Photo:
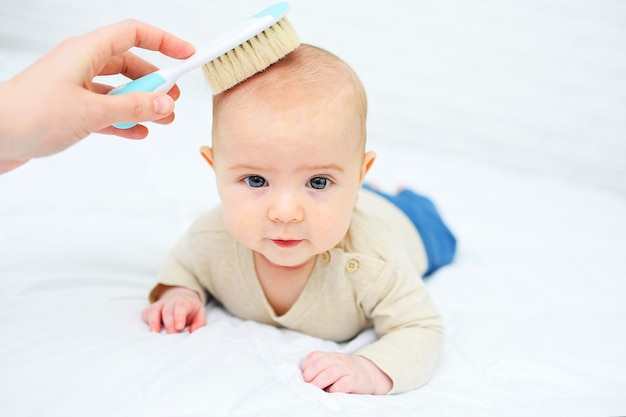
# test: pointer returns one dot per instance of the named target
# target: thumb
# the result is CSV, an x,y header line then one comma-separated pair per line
x,y
134,107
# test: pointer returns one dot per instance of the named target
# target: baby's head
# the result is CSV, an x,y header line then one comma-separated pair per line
x,y
310,80
289,155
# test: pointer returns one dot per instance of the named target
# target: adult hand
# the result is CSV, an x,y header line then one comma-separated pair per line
x,y
55,102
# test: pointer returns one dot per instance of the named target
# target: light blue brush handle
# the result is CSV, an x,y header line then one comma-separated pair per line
x,y
146,84
278,10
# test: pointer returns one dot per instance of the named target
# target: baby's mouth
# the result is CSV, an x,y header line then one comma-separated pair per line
x,y
286,243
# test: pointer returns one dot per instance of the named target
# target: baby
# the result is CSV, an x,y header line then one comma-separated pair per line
x,y
299,243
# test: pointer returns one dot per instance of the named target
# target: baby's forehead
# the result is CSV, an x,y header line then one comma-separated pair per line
x,y
290,98
336,109
303,98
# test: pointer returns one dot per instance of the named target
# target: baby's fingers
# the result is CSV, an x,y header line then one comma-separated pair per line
x,y
175,316
321,369
181,312
198,320
152,316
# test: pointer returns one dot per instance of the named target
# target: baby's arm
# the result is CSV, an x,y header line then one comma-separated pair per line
x,y
175,309
410,338
409,328
338,372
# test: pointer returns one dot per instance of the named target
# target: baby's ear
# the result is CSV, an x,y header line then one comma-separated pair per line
x,y
368,161
207,154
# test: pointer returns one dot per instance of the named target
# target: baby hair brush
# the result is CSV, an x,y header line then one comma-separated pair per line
x,y
248,48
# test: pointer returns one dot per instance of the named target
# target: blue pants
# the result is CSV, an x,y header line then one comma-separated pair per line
x,y
439,242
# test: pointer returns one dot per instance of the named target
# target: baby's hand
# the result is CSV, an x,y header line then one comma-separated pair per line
x,y
176,308
337,372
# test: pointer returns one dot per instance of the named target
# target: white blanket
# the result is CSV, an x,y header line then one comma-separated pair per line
x,y
509,116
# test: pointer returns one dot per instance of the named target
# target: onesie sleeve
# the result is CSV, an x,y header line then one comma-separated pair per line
x,y
408,325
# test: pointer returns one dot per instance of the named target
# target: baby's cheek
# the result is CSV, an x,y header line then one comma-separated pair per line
x,y
242,223
331,228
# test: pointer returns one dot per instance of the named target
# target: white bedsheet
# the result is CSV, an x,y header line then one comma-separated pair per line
x,y
522,147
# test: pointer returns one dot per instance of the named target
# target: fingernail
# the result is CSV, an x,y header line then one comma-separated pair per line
x,y
163,105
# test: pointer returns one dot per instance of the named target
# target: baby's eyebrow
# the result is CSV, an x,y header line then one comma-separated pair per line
x,y
324,167
245,167
257,168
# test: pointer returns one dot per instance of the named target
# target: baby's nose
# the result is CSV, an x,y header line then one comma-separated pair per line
x,y
286,208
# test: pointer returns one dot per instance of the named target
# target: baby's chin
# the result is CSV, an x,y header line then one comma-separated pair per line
x,y
287,261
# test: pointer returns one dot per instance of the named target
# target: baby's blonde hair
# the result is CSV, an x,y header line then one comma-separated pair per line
x,y
308,74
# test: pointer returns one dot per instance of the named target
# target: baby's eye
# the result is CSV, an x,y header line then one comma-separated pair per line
x,y
319,183
254,181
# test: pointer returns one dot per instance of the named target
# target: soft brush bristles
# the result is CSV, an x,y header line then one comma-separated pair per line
x,y
251,57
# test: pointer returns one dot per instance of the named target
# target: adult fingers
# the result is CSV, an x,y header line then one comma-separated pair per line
x,y
117,38
131,107
166,120
136,132
104,88
127,64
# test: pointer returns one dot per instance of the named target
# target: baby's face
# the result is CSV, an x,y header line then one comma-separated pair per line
x,y
288,178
